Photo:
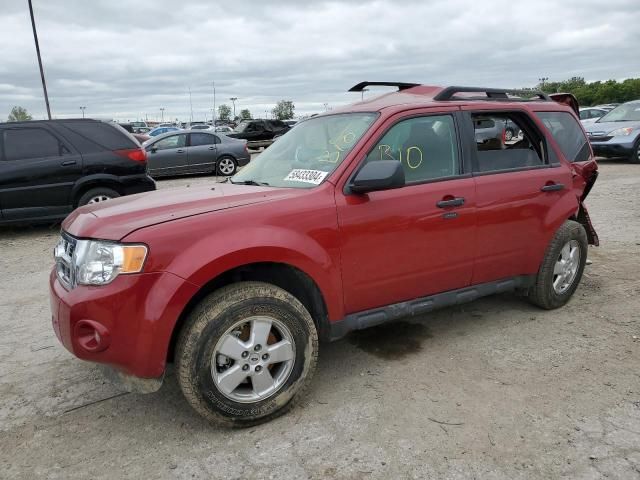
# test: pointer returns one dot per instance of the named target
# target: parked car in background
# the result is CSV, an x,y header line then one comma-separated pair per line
x,y
48,168
591,114
356,217
160,130
140,127
617,134
193,151
259,133
219,129
141,137
291,122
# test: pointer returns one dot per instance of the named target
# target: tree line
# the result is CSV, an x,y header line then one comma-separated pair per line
x,y
596,93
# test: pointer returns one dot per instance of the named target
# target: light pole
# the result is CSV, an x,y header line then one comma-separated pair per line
x,y
35,39
233,100
161,114
83,109
362,93
542,80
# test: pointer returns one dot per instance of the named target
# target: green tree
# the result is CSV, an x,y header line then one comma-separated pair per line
x,y
283,110
245,114
224,112
19,114
594,93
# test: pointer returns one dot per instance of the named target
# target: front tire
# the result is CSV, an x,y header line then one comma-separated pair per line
x,y
508,134
635,156
246,354
562,267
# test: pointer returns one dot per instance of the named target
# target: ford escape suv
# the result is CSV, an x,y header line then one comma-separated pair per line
x,y
386,208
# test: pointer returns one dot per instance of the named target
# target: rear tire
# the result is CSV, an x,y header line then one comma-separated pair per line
x,y
226,166
508,134
562,267
270,347
97,195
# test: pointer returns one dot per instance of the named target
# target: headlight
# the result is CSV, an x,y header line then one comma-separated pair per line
x,y
622,132
95,262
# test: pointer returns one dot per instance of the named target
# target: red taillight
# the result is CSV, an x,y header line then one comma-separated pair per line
x,y
504,135
135,154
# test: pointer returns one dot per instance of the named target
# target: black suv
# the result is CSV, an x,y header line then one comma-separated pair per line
x,y
48,168
259,133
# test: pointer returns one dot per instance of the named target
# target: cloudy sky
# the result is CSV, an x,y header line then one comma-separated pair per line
x,y
127,59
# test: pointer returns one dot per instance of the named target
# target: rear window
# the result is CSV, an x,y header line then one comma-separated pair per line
x,y
568,135
26,143
108,136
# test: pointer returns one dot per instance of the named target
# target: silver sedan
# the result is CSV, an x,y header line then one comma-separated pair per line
x,y
185,152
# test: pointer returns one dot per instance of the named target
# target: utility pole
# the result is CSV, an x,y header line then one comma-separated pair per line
x,y
233,100
35,39
362,93
214,102
190,107
83,109
161,114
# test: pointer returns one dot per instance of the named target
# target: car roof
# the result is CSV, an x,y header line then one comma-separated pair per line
x,y
418,96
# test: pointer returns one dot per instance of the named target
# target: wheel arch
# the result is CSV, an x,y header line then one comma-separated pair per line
x,y
94,181
288,277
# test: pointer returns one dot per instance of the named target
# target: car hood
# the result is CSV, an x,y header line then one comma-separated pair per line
x,y
603,128
115,219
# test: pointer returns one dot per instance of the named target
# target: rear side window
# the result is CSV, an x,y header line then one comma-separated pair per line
x,y
567,133
198,139
425,146
505,141
108,136
26,143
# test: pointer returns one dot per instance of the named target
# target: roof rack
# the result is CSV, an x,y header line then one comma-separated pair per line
x,y
401,85
449,93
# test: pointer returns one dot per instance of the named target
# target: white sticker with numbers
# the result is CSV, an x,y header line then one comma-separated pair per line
x,y
306,176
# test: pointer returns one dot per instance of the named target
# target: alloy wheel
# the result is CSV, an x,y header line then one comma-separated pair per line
x,y
566,267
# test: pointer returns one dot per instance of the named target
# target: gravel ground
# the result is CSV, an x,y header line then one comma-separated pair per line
x,y
495,389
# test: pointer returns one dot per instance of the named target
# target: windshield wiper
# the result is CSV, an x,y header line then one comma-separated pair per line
x,y
250,182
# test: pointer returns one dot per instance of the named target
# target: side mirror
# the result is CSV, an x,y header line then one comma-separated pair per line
x,y
378,175
153,149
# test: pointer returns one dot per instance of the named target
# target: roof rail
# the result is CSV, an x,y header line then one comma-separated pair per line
x,y
449,93
401,85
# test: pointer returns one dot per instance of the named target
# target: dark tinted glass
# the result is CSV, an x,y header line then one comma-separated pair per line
x,y
567,133
25,143
174,141
198,139
108,136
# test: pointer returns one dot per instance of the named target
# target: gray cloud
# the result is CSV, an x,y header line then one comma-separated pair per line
x,y
128,59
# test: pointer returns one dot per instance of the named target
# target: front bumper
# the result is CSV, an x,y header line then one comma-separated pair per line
x,y
134,317
614,146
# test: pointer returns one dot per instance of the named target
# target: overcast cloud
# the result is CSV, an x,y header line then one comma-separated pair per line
x,y
126,59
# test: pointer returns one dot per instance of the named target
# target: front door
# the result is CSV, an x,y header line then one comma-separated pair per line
x,y
412,241
38,170
168,156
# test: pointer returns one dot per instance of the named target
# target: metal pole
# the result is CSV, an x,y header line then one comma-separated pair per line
x,y
83,109
214,102
190,106
162,115
35,38
233,99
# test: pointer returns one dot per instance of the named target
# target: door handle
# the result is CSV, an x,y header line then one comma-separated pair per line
x,y
180,151
212,148
68,163
454,202
553,187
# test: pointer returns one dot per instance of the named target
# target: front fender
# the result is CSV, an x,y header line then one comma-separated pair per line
x,y
203,259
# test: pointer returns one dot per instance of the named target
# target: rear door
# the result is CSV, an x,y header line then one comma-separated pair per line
x,y
168,155
38,169
522,192
203,152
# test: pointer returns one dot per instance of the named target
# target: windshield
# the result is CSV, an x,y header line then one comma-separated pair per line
x,y
305,155
241,127
623,113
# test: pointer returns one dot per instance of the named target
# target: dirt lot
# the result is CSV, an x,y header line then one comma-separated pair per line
x,y
492,389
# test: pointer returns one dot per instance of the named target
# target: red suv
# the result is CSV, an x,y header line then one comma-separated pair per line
x,y
387,208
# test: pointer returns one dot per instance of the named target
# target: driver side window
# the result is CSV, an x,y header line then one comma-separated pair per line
x,y
426,147
174,141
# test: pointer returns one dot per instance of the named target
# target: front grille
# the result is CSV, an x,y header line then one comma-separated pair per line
x,y
64,260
